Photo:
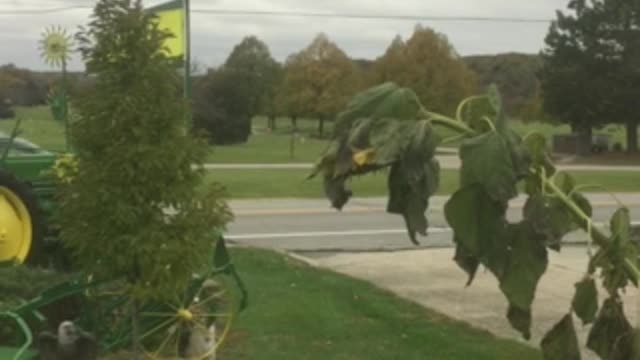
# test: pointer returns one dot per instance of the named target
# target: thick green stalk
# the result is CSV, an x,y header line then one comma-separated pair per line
x,y
448,122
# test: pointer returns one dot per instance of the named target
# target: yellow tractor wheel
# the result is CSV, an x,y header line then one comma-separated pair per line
x,y
20,230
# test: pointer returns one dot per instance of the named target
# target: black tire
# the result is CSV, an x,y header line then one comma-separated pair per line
x,y
38,230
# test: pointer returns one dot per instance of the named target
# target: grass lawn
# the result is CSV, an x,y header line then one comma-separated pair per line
x,y
38,127
299,312
292,183
266,146
270,148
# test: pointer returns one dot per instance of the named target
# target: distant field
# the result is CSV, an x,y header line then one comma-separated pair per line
x,y
293,183
38,127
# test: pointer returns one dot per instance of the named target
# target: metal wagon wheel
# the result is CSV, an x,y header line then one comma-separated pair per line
x,y
166,329
195,324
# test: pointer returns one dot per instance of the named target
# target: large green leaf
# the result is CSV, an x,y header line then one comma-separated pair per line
x,y
477,112
410,186
561,342
549,217
621,225
479,224
486,160
526,265
618,258
467,261
520,157
520,319
585,300
611,336
384,101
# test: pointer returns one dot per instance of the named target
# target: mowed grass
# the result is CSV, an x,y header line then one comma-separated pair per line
x,y
283,183
274,146
303,313
38,127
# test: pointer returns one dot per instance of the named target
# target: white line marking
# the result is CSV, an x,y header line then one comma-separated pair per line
x,y
312,234
432,230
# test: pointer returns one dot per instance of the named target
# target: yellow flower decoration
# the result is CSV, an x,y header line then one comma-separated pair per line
x,y
55,46
66,168
363,157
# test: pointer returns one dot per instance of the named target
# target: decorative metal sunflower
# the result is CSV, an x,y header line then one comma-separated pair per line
x,y
55,46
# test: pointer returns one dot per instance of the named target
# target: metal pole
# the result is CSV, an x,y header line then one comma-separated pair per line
x,y
187,62
65,106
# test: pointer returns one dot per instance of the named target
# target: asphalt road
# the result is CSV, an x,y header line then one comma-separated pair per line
x,y
312,226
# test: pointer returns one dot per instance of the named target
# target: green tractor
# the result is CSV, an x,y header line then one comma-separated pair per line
x,y
27,190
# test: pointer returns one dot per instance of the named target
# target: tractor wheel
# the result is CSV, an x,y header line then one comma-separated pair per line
x,y
21,222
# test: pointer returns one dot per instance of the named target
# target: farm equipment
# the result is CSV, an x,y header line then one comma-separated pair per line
x,y
213,298
28,235
27,189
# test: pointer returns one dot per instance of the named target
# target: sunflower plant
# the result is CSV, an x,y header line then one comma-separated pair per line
x,y
387,127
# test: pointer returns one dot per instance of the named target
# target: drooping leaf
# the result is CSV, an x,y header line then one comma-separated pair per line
x,y
561,342
584,205
621,225
479,224
520,319
410,186
566,182
549,217
618,257
611,336
384,101
536,145
336,191
585,300
477,112
520,157
466,261
221,256
486,160
526,265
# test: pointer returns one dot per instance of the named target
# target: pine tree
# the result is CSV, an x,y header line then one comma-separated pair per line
x,y
136,208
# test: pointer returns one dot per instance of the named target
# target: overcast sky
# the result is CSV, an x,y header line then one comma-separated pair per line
x,y
215,35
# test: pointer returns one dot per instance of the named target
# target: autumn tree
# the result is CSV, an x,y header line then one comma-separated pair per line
x,y
318,81
429,64
590,74
258,72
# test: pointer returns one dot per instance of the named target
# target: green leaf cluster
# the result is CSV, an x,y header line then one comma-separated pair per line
x,y
382,128
387,127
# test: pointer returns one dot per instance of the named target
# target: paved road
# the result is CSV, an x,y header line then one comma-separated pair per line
x,y
311,225
446,162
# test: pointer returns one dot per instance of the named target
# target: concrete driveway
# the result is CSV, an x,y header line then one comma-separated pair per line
x,y
431,278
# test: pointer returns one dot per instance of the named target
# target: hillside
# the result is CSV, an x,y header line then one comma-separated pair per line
x,y
515,75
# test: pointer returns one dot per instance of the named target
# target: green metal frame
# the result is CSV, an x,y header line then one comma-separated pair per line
x,y
115,336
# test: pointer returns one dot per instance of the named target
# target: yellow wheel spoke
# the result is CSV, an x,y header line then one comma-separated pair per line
x,y
217,295
212,315
158,327
158,314
165,342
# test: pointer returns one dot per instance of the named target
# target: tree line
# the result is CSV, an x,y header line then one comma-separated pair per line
x,y
587,76
318,81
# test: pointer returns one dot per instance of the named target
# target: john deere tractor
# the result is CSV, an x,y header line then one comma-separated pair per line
x,y
27,190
